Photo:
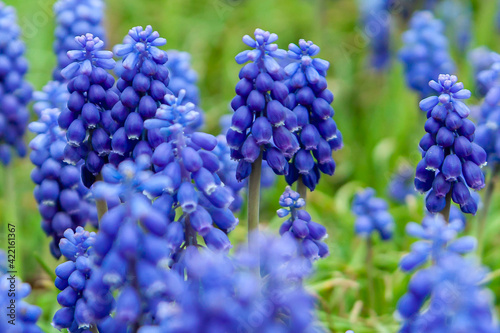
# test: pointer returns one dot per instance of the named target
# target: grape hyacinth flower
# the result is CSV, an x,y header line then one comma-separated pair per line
x,y
449,295
15,91
372,215
258,126
19,316
299,225
481,60
133,250
75,18
239,292
401,185
87,119
311,116
71,279
186,170
143,80
425,53
63,201
488,130
376,19
451,162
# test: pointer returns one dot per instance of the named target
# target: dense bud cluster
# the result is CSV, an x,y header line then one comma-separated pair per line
x,y
71,279
15,92
18,315
448,296
87,119
425,53
451,160
143,80
311,117
75,18
63,201
260,122
372,215
300,226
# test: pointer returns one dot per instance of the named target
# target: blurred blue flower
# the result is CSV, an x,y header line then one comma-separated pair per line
x,y
401,185
75,18
311,120
425,53
457,18
15,91
481,59
372,215
448,296
376,19
24,316
63,201
451,160
488,129
299,226
71,279
225,295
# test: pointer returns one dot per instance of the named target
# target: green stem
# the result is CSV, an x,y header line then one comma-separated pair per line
x,y
481,223
94,329
369,273
301,188
254,203
102,206
446,211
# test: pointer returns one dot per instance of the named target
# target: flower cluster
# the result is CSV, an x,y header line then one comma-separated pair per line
x,y
311,119
481,59
15,92
71,279
143,80
63,201
377,20
261,124
488,130
92,96
186,169
308,233
54,95
451,161
133,250
401,184
75,18
372,215
438,237
425,53
19,315
225,295
452,285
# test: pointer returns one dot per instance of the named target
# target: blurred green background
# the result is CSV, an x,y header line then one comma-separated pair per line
x,y
377,114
